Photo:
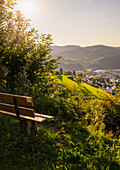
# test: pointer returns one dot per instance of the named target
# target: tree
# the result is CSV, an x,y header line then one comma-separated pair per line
x,y
73,72
82,74
78,79
67,73
61,70
24,54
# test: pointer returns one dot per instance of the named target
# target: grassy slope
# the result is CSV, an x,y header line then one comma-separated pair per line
x,y
85,89
60,144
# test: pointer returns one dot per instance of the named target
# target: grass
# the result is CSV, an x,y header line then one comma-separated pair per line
x,y
84,88
71,141
58,145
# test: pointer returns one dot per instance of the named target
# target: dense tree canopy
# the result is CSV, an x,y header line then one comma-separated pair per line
x,y
24,54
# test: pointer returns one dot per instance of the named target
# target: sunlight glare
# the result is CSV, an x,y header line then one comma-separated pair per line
x,y
27,8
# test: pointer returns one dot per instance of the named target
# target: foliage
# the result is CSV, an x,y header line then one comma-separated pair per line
x,y
67,73
83,74
74,72
78,79
86,129
24,54
79,137
58,145
75,139
61,70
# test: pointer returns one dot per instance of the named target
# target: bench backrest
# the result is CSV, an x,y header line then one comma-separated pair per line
x,y
10,102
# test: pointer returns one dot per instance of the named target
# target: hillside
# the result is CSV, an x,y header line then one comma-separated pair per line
x,y
118,48
84,89
81,58
112,62
84,134
84,130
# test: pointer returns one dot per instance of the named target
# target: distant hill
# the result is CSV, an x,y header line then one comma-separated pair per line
x,y
118,48
93,57
109,62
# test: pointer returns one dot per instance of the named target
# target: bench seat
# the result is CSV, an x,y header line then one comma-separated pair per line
x,y
10,104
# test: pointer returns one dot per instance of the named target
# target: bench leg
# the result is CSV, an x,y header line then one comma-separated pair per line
x,y
28,127
31,127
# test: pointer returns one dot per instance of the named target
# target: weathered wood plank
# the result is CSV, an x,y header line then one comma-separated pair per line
x,y
21,100
22,110
36,118
45,116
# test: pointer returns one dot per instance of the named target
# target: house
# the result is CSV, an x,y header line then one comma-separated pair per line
x,y
108,90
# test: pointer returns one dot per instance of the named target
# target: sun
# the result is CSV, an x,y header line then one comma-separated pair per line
x,y
27,8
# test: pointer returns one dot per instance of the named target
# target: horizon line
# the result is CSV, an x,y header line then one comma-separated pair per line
x,y
86,45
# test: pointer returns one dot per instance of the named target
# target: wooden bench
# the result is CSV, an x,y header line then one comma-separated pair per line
x,y
22,108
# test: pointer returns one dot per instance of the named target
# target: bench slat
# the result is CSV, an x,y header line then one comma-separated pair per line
x,y
45,116
22,110
36,118
21,100
7,106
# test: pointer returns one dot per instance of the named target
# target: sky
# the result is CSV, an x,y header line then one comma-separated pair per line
x,y
75,22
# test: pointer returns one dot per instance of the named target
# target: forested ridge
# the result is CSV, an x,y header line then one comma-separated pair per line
x,y
85,134
82,58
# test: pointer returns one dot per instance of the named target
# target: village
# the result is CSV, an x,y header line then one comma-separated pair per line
x,y
108,80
